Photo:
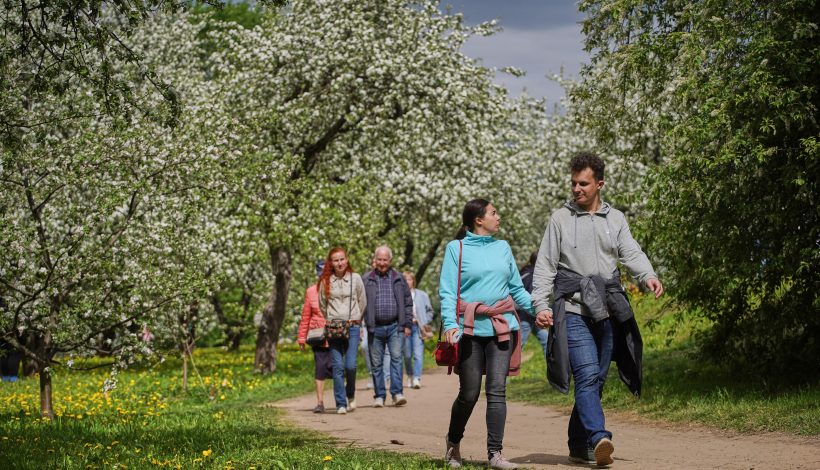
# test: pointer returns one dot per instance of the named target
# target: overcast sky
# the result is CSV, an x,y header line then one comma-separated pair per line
x,y
539,36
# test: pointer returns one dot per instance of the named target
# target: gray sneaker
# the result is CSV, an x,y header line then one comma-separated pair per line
x,y
497,461
399,400
452,456
603,452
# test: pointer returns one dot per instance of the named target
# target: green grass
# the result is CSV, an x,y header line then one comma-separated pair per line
x,y
149,422
679,387
222,421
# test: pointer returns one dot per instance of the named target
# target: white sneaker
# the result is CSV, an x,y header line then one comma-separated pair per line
x,y
369,384
379,403
399,400
497,461
351,404
341,411
416,383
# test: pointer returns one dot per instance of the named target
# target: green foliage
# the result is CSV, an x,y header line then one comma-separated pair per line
x,y
681,385
727,90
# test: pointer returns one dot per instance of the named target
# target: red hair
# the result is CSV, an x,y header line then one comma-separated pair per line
x,y
324,278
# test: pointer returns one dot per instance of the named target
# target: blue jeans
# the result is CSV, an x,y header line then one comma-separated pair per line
x,y
527,325
414,353
366,352
476,355
590,352
343,359
390,336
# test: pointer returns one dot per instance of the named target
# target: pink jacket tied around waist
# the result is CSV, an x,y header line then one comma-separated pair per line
x,y
502,329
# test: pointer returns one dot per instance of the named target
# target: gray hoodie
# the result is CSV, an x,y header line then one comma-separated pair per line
x,y
588,244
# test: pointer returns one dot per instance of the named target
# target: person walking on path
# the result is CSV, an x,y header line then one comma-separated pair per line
x,y
414,344
9,362
389,318
577,290
479,287
312,318
341,297
527,319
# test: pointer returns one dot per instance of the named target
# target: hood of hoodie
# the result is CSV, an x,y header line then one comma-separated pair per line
x,y
576,209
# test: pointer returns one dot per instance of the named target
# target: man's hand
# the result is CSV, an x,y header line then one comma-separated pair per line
x,y
407,331
543,319
655,286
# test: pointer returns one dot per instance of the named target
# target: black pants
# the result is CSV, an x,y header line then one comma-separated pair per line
x,y
477,355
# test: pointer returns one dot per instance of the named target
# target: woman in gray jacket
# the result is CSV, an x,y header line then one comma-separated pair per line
x,y
341,297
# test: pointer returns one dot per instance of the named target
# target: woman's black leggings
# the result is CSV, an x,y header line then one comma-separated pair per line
x,y
479,355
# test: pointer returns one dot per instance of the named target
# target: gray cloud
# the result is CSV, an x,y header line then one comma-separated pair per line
x,y
541,53
539,36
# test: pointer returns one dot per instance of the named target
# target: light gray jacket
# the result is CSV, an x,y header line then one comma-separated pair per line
x,y
588,244
340,305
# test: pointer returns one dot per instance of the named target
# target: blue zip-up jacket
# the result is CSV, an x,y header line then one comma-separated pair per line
x,y
488,274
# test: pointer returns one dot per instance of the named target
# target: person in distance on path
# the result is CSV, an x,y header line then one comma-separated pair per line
x,y
341,297
389,318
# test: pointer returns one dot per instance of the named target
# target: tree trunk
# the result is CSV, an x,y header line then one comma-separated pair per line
x,y
232,328
425,263
185,371
273,314
46,404
187,325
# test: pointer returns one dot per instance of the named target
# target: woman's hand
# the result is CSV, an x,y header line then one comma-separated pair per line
x,y
544,319
450,335
302,346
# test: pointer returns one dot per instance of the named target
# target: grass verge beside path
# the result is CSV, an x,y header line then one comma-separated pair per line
x,y
149,422
679,388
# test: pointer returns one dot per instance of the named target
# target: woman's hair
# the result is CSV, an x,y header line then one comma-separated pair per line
x,y
327,270
472,210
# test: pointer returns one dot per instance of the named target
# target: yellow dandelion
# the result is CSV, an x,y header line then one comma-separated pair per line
x,y
327,458
207,453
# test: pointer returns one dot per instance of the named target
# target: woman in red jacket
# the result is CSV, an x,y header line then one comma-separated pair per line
x,y
313,318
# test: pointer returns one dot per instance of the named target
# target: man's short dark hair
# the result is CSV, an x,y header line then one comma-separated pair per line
x,y
582,160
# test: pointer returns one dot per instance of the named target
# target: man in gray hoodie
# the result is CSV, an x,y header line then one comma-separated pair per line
x,y
576,290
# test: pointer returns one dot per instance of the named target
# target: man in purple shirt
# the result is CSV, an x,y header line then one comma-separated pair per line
x,y
389,313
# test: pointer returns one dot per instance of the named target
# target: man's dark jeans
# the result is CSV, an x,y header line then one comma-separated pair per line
x,y
477,354
590,352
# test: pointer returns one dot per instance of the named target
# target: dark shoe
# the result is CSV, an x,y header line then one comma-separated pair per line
x,y
603,452
320,408
582,456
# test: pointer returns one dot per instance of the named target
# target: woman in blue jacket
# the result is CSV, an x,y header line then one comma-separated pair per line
x,y
483,323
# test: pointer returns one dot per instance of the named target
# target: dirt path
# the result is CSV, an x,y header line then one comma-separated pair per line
x,y
535,437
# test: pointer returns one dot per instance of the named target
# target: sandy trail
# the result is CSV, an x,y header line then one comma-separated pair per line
x,y
535,437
